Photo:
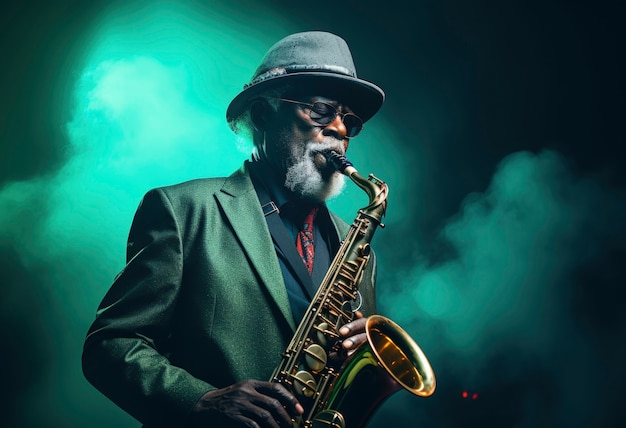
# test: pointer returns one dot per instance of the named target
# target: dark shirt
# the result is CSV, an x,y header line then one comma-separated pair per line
x,y
292,211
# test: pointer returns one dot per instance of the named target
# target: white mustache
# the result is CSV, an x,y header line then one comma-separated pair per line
x,y
312,149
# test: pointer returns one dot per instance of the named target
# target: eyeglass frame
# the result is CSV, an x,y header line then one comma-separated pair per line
x,y
333,108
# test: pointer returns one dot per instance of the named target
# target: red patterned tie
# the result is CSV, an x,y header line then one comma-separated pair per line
x,y
304,241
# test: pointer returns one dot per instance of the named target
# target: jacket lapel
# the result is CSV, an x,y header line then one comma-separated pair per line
x,y
242,209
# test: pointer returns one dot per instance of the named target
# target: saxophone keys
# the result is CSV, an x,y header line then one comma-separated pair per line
x,y
364,250
329,419
304,384
315,357
323,332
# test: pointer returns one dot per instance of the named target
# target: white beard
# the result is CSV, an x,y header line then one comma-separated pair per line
x,y
305,177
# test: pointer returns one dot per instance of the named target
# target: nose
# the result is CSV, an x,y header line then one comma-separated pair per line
x,y
336,128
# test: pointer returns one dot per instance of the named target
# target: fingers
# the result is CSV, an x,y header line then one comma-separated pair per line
x,y
353,342
250,403
355,327
282,397
273,405
353,333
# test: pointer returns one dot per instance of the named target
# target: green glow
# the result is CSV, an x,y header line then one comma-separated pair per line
x,y
515,244
437,295
149,106
148,110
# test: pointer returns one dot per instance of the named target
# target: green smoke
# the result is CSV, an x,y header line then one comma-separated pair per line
x,y
502,315
514,308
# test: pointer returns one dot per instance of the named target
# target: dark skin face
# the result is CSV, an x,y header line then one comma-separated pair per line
x,y
290,129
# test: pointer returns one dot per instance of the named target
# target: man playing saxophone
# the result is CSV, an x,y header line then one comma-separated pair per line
x,y
220,271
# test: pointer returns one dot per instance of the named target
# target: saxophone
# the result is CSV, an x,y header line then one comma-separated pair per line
x,y
346,394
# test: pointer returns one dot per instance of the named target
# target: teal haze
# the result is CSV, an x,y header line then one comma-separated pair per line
x,y
501,295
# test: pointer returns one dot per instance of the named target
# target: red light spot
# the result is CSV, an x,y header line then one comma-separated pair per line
x,y
464,395
474,396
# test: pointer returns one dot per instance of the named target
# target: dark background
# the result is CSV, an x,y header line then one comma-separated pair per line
x,y
467,84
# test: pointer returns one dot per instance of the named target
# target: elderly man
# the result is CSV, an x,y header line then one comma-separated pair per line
x,y
193,327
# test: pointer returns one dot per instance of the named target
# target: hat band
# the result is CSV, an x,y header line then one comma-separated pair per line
x,y
279,71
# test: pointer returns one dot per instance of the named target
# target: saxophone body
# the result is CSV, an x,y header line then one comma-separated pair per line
x,y
345,394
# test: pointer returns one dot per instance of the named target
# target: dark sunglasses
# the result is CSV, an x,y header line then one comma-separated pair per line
x,y
323,114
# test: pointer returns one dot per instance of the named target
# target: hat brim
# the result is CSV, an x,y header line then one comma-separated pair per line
x,y
364,98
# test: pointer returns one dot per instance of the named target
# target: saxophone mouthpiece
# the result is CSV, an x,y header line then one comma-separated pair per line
x,y
340,162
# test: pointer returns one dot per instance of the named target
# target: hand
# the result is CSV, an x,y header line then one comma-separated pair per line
x,y
352,334
250,403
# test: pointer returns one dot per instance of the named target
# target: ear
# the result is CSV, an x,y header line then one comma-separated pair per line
x,y
258,114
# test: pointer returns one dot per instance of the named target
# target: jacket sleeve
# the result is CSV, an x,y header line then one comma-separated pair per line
x,y
125,355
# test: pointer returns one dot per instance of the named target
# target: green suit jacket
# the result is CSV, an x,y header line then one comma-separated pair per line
x,y
201,303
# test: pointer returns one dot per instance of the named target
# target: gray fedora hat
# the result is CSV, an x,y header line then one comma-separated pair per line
x,y
314,61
